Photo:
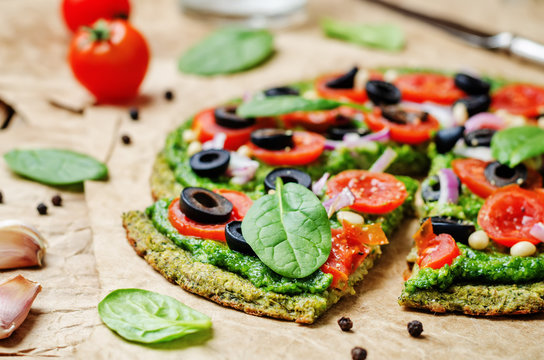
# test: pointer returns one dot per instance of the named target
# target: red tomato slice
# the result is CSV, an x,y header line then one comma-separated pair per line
x,y
441,251
371,234
205,126
414,133
318,121
508,215
424,236
471,173
307,148
240,203
437,88
520,99
375,193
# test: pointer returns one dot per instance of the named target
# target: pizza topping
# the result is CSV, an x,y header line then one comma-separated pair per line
x,y
339,201
415,328
287,175
383,162
523,249
353,140
345,323
471,85
226,116
338,132
442,249
519,99
445,139
241,168
235,239
449,186
272,139
501,175
460,230
422,87
204,206
307,148
281,90
480,137
400,116
344,81
382,92
484,120
317,186
538,231
478,240
350,217
475,104
210,163
513,145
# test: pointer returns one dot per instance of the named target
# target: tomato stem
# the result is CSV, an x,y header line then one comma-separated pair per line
x,y
99,31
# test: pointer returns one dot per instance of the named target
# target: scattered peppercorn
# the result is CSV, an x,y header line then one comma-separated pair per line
x,y
358,353
345,323
134,113
169,95
415,328
1,198
56,200
42,209
126,139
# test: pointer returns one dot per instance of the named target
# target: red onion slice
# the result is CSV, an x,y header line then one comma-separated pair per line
x,y
538,231
449,186
241,168
317,186
383,162
484,120
442,113
341,200
479,152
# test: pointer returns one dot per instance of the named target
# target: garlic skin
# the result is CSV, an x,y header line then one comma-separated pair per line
x,y
16,297
21,245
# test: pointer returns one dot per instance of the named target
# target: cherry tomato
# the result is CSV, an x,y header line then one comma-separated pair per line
x,y
375,193
368,234
205,126
240,202
412,133
519,99
471,173
110,60
308,146
442,250
508,215
420,87
424,235
78,13
319,121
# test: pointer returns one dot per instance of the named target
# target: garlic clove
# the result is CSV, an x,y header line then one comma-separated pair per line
x,y
21,245
16,298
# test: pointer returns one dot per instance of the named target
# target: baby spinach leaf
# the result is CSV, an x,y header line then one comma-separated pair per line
x,y
55,166
383,36
227,51
148,317
513,145
289,230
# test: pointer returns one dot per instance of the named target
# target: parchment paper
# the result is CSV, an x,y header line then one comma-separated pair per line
x,y
89,255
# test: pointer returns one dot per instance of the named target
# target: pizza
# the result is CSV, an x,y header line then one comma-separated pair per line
x,y
278,204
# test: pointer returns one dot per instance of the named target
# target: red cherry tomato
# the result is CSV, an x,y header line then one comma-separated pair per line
x,y
413,133
508,215
520,99
307,148
434,251
471,173
375,193
78,13
319,121
110,60
437,88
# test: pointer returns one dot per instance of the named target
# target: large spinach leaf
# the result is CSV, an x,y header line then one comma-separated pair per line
x,y
148,317
513,145
289,230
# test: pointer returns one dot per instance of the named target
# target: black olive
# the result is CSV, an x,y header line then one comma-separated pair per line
x,y
280,91
210,163
235,239
338,132
204,206
480,137
226,117
446,139
476,104
287,175
382,93
471,85
399,116
345,81
501,175
272,139
430,188
460,230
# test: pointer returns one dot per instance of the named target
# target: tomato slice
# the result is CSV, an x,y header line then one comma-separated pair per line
x,y
375,193
413,133
441,251
508,215
240,203
471,173
319,121
308,146
422,87
205,126
424,235
368,234
519,99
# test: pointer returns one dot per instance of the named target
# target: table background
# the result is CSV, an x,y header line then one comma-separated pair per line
x,y
88,255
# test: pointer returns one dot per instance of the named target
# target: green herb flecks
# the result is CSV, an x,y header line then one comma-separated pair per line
x,y
513,145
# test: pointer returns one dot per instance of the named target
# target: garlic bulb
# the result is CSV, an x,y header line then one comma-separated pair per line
x,y
16,298
21,245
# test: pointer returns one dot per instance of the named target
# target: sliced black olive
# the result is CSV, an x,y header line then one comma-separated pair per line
x,y
272,139
382,92
399,116
338,132
345,81
288,175
204,206
460,230
471,85
281,90
430,188
446,139
235,239
226,116
480,137
501,175
476,104
210,163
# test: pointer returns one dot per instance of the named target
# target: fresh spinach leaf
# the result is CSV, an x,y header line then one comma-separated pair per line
x,y
55,166
228,50
289,230
513,145
383,36
148,317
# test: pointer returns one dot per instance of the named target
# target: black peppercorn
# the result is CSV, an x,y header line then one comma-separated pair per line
x,y
415,328
134,114
169,95
126,139
345,323
1,198
358,353
56,200
42,209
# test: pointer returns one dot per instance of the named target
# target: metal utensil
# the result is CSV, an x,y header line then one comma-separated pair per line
x,y
503,41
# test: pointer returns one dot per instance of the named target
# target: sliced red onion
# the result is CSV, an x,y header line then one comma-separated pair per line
x,y
241,168
341,200
442,113
218,142
538,231
479,152
484,120
332,144
449,186
383,162
317,186
381,136
353,140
